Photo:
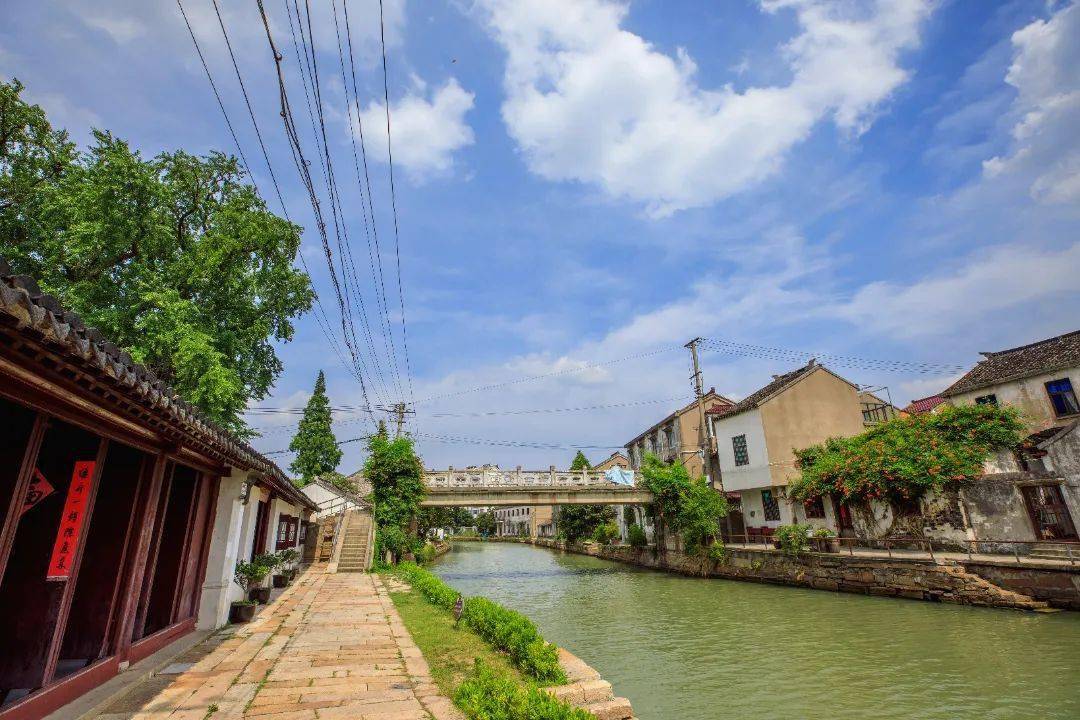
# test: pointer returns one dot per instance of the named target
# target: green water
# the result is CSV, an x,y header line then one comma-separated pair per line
x,y
692,649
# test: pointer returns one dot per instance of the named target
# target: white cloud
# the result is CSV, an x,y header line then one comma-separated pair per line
x,y
426,132
1047,109
592,102
997,279
120,29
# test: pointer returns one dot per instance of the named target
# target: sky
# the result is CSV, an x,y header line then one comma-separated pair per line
x,y
582,186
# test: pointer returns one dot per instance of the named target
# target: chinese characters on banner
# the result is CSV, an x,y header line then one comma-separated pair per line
x,y
39,489
67,538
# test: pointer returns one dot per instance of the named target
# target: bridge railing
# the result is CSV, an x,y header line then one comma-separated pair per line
x,y
496,477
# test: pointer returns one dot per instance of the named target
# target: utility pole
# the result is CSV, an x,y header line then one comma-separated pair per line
x,y
704,431
400,411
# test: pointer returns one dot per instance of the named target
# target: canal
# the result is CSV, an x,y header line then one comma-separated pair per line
x,y
694,649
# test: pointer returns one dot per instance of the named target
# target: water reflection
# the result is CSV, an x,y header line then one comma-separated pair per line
x,y
698,649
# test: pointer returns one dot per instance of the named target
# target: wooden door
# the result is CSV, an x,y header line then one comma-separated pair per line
x,y
1048,512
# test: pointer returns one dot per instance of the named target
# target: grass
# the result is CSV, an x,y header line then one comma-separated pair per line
x,y
450,652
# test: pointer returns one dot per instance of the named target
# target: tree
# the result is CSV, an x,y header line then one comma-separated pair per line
x,y
485,523
580,462
175,259
579,521
433,518
396,476
316,448
691,507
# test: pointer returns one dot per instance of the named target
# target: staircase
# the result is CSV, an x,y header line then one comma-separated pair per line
x,y
585,689
1054,551
356,542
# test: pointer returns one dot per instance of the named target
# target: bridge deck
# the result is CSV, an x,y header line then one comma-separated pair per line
x,y
534,495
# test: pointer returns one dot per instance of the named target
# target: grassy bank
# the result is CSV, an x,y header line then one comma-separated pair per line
x,y
493,663
451,652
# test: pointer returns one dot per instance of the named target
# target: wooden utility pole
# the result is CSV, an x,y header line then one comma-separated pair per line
x,y
400,411
704,431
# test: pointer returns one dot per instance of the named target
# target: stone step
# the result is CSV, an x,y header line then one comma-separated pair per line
x,y
614,709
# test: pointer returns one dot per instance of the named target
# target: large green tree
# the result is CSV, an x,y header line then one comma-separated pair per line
x,y
397,478
316,448
175,258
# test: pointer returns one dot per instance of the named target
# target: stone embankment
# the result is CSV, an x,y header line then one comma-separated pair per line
x,y
587,690
982,584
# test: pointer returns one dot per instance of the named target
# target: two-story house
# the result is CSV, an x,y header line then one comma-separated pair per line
x,y
756,438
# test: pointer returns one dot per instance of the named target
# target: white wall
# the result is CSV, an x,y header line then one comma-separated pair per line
x,y
230,540
1029,395
743,477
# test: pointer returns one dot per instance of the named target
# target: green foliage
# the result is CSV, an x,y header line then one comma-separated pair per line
x,y
176,259
579,521
394,539
504,629
425,554
823,532
316,448
340,482
396,476
249,574
628,515
288,556
270,561
488,695
690,506
717,551
636,536
905,457
793,539
606,534
486,523
433,518
580,462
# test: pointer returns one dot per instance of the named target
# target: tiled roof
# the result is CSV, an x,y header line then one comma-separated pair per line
x,y
779,384
1056,353
924,405
36,314
715,403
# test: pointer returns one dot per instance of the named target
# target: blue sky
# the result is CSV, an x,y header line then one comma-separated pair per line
x,y
583,180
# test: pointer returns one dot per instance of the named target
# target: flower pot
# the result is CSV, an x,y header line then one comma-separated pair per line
x,y
241,612
281,581
260,595
832,545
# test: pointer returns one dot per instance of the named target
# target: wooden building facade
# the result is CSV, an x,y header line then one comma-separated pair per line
x,y
122,509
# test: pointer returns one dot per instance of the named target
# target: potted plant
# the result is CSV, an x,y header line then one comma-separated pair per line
x,y
249,576
272,561
288,558
825,540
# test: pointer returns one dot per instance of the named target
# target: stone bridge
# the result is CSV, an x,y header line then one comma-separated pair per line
x,y
491,485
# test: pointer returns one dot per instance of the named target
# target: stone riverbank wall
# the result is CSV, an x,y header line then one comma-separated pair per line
x,y
990,584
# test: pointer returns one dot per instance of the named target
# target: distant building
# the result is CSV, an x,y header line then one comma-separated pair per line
x,y
617,460
875,410
756,438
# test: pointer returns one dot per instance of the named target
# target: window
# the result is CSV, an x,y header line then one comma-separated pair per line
x,y
770,506
990,399
815,509
1062,397
738,444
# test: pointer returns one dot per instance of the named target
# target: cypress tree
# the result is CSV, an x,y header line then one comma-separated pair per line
x,y
580,462
316,448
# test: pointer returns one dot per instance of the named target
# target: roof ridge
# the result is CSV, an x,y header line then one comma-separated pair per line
x,y
999,353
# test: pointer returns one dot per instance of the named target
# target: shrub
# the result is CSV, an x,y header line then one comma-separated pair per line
x,y
288,556
606,534
488,695
426,554
270,561
691,506
824,532
905,457
793,539
717,551
394,539
636,536
504,629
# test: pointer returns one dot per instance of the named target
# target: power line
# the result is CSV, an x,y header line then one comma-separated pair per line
x,y
393,201
777,353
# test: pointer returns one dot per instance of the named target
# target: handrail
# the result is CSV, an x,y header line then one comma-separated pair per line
x,y
888,543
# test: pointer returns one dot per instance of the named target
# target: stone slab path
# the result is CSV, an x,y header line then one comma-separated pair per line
x,y
331,646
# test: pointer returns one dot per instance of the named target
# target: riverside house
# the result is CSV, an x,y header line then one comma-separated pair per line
x,y
755,440
676,437
123,510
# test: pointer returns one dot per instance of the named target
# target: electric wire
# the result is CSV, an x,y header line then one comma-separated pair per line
x,y
777,353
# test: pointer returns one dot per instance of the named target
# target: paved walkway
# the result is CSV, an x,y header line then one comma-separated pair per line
x,y
905,554
331,646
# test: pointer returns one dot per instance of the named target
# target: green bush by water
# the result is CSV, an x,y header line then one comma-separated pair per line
x,y
488,695
503,628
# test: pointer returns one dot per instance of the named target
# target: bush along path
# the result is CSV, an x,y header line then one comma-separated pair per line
x,y
495,662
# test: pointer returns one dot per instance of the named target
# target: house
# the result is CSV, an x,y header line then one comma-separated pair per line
x,y
123,510
756,438
875,410
617,460
1040,379
676,438
1043,477
924,405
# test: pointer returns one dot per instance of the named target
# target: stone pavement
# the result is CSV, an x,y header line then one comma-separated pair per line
x,y
331,646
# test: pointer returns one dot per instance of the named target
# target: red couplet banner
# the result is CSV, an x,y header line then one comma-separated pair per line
x,y
71,522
